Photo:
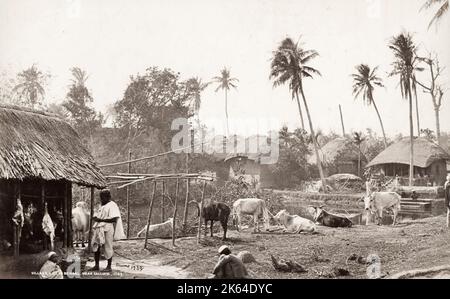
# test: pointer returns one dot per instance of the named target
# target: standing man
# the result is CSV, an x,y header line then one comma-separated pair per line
x,y
447,198
107,228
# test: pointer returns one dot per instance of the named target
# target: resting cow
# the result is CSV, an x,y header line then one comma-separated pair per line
x,y
160,230
294,223
80,222
376,202
323,217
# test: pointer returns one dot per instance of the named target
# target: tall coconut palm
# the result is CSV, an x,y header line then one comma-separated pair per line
x,y
405,57
30,87
225,81
364,82
197,86
442,10
289,66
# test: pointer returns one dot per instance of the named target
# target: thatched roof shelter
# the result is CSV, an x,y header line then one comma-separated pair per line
x,y
342,149
426,152
41,145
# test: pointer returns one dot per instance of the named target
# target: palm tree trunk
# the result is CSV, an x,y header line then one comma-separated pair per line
x,y
438,126
411,140
381,123
417,114
300,111
359,160
226,111
313,137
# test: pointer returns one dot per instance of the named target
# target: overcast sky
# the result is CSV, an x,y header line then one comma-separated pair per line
x,y
114,39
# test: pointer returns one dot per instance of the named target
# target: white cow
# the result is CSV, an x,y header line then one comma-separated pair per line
x,y
160,230
80,222
250,206
376,202
294,223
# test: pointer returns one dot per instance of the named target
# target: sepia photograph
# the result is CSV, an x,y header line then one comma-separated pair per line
x,y
208,140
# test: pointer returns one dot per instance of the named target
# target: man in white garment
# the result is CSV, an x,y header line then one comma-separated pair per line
x,y
50,269
108,222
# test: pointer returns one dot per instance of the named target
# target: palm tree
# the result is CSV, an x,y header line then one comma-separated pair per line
x,y
79,76
442,10
30,87
225,81
364,82
358,139
197,86
405,56
289,66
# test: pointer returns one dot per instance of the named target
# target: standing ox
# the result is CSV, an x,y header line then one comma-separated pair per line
x,y
376,202
323,217
215,211
250,206
80,222
294,223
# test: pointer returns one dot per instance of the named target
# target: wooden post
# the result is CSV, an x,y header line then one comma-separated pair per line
x,y
17,228
200,214
186,205
128,198
175,213
342,121
45,243
69,212
90,221
163,217
149,217
65,214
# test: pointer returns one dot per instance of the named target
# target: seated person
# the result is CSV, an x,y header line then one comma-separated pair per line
x,y
229,266
50,269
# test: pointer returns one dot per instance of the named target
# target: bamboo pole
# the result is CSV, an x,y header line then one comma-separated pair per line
x,y
200,213
186,205
128,197
90,220
342,121
149,217
175,213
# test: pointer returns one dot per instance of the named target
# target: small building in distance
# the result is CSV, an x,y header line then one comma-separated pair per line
x,y
340,155
430,162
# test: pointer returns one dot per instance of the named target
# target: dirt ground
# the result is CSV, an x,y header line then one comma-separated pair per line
x,y
413,244
421,243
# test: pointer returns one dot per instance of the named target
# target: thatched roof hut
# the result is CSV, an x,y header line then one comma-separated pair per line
x,y
429,159
41,156
426,152
340,155
41,145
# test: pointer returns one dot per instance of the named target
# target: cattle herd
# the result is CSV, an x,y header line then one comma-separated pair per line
x,y
374,203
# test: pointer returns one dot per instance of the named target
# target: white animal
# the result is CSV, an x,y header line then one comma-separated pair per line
x,y
80,222
376,202
250,206
160,230
294,223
